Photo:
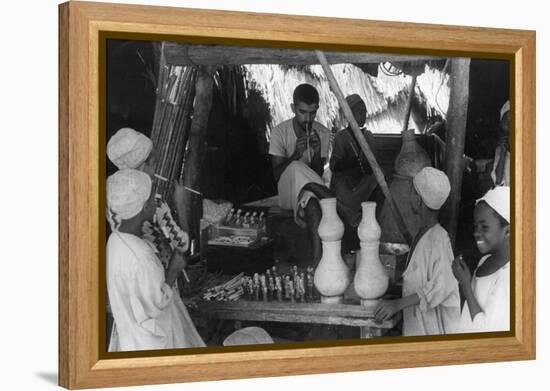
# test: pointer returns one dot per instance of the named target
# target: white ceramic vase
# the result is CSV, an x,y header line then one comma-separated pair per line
x,y
369,230
371,280
332,275
331,227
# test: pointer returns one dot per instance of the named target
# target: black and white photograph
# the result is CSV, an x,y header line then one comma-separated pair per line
x,y
267,195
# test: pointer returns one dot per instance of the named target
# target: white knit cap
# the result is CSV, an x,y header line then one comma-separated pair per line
x,y
505,108
248,336
128,148
127,192
432,185
499,200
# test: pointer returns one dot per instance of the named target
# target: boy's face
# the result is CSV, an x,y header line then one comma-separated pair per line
x,y
305,114
150,208
148,166
488,229
505,123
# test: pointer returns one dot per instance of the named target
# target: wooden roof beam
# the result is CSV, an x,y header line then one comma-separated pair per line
x,y
190,54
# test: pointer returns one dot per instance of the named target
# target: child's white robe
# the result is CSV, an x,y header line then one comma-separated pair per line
x,y
493,295
429,275
147,313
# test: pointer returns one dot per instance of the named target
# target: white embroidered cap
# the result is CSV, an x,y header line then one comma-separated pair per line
x,y
127,192
499,200
432,185
128,148
248,336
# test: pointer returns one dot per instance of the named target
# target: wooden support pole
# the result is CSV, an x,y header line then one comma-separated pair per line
x,y
456,136
378,173
189,206
408,108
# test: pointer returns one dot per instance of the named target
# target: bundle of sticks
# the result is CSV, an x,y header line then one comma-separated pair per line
x,y
171,122
229,291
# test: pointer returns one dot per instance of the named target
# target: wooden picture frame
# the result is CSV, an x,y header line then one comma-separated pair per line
x,y
80,243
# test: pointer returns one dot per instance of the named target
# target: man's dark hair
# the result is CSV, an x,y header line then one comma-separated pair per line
x,y
306,93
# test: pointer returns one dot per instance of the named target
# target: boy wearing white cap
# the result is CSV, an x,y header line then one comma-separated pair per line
x,y
430,299
148,314
487,292
500,174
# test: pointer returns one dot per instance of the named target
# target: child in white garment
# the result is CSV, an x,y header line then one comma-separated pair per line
x,y
430,300
487,292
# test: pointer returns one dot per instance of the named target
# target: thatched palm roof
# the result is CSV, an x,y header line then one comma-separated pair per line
x,y
384,95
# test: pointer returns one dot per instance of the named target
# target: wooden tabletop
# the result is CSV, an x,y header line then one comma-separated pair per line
x,y
296,312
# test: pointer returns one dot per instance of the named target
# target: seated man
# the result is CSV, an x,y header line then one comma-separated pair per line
x,y
500,174
352,178
299,149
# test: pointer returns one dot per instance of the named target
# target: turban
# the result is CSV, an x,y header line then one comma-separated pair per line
x,y
353,100
499,200
128,148
505,108
432,185
127,192
248,336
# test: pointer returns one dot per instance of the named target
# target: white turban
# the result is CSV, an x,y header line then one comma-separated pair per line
x,y
499,200
432,185
248,336
128,148
127,192
505,108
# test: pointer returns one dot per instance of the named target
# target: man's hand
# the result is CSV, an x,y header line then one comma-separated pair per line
x,y
165,252
315,143
303,142
386,309
301,146
177,264
179,260
461,271
178,192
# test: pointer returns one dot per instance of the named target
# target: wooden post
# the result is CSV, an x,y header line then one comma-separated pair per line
x,y
189,207
409,104
378,173
456,135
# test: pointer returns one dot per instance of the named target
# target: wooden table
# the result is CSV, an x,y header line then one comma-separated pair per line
x,y
298,312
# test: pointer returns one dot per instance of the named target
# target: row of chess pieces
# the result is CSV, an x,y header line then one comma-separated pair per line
x,y
247,219
294,286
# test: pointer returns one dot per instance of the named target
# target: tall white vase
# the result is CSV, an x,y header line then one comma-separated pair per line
x,y
331,227
332,275
371,280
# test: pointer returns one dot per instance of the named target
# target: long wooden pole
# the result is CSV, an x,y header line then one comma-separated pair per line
x,y
378,173
456,136
189,207
408,108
